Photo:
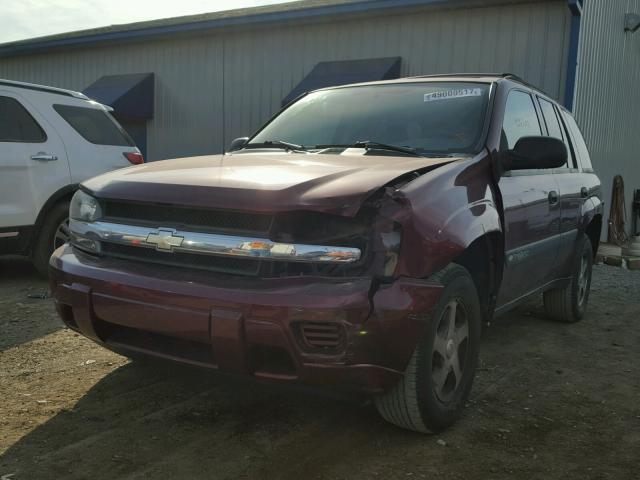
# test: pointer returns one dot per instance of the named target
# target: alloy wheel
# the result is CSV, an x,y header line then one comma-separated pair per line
x,y
62,234
583,279
450,350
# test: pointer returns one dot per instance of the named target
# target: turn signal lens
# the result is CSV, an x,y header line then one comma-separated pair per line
x,y
134,157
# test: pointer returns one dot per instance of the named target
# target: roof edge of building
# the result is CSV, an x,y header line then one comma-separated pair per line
x,y
207,22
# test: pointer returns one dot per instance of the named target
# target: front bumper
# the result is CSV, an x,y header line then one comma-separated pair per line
x,y
245,325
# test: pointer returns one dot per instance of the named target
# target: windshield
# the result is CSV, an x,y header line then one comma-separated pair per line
x,y
429,117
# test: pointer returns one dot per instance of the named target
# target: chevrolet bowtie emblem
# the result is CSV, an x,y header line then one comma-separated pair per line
x,y
165,240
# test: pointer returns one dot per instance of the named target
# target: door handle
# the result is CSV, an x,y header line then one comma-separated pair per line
x,y
584,192
553,197
43,157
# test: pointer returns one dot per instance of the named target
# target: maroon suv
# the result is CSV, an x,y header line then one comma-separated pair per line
x,y
358,240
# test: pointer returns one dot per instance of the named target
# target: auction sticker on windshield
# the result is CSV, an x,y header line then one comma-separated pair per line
x,y
448,94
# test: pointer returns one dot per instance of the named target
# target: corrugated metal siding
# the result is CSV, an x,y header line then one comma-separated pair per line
x,y
249,72
188,99
607,104
530,40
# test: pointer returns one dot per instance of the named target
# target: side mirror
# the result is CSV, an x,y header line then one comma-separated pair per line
x,y
238,143
535,153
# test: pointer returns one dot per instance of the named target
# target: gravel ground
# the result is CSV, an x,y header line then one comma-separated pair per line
x,y
550,401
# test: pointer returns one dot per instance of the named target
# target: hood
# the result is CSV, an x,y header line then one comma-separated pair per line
x,y
261,182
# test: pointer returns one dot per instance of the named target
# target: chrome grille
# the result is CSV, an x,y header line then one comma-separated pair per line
x,y
230,265
223,245
227,265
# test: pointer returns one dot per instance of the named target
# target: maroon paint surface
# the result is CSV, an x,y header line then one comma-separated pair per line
x,y
260,182
230,319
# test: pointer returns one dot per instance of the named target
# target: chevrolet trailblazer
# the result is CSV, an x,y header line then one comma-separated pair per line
x,y
358,240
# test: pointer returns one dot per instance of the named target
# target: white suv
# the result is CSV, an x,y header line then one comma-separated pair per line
x,y
50,140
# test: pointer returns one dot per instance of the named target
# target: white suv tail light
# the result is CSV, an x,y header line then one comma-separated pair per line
x,y
134,157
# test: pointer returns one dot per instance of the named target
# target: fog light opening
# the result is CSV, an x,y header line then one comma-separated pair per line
x,y
271,361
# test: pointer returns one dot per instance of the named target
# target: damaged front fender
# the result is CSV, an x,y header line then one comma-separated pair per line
x,y
440,215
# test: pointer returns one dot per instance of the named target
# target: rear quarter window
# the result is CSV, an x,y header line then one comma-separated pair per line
x,y
578,141
94,125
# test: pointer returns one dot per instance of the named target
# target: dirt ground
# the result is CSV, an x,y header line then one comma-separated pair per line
x,y
550,401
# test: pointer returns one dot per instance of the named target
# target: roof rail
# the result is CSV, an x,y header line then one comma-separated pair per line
x,y
516,78
506,76
436,75
474,74
42,88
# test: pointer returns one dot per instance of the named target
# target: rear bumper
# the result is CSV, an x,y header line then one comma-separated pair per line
x,y
247,326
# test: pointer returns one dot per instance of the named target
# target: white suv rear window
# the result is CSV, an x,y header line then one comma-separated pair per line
x,y
94,125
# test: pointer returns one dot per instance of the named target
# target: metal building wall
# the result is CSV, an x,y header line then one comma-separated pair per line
x,y
607,105
213,88
188,100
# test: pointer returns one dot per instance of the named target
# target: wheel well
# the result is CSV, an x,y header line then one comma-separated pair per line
x,y
593,231
483,259
62,195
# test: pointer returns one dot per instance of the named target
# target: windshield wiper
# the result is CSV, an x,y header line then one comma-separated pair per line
x,y
278,144
369,145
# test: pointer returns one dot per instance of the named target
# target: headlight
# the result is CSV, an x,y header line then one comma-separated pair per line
x,y
84,207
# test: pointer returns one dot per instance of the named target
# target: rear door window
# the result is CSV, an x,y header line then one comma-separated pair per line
x,y
520,120
554,127
17,124
94,125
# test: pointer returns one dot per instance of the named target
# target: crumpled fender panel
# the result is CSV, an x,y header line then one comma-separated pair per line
x,y
441,214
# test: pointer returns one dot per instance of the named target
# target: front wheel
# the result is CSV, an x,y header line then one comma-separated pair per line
x,y
437,382
53,234
568,304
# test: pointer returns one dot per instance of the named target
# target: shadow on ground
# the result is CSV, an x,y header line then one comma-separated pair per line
x,y
145,420
24,315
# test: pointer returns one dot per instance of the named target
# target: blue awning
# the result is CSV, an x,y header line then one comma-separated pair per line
x,y
130,96
329,74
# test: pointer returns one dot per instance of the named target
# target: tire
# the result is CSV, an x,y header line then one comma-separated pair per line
x,y
568,304
53,233
430,397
